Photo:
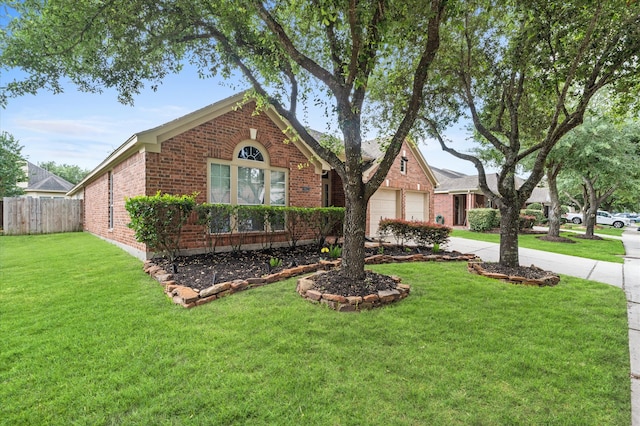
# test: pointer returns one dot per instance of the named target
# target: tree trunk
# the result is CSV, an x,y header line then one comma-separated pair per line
x,y
555,210
355,218
592,210
509,225
590,220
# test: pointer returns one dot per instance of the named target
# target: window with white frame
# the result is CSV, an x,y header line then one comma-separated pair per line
x,y
248,179
110,202
403,165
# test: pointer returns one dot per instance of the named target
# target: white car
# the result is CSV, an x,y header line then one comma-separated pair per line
x,y
603,218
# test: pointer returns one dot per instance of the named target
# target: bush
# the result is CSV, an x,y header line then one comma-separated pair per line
x,y
526,222
535,206
325,221
215,220
423,233
481,220
157,220
538,214
218,220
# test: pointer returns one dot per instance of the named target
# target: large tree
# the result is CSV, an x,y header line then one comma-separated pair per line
x,y
286,49
600,159
524,73
11,166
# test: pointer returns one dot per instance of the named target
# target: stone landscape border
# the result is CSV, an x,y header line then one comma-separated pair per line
x,y
546,281
188,297
306,288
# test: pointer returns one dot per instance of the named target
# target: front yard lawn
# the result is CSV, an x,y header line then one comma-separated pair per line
x,y
88,338
608,250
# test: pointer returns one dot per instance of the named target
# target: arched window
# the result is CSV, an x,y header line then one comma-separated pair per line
x,y
250,153
248,179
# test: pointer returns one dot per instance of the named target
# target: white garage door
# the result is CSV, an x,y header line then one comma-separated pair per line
x,y
415,206
382,205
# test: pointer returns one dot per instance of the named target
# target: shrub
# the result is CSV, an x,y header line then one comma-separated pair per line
x,y
215,220
157,220
481,220
423,233
426,233
397,228
325,221
538,214
526,222
218,220
535,206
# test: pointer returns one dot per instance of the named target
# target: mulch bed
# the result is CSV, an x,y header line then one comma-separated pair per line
x,y
334,282
204,270
528,272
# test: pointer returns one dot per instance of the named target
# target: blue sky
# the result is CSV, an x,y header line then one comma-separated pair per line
x,y
84,128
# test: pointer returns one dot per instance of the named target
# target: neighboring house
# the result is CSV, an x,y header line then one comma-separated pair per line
x,y
227,154
43,184
458,193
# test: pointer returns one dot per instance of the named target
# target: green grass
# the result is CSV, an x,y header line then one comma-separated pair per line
x,y
88,338
608,250
600,229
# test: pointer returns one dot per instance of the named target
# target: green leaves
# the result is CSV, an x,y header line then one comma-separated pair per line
x,y
157,220
11,166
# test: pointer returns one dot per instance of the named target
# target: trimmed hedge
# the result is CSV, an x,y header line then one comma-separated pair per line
x,y
538,214
423,233
157,220
218,220
482,220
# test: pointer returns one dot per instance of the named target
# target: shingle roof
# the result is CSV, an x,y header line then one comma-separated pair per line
x,y
444,174
43,180
468,183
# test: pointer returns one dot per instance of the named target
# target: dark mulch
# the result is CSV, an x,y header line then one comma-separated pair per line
x,y
204,270
530,272
335,282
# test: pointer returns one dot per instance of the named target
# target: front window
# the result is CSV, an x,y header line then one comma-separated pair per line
x,y
220,184
278,188
248,180
250,186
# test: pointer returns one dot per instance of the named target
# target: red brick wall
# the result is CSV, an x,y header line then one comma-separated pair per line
x,y
410,180
444,206
181,168
128,181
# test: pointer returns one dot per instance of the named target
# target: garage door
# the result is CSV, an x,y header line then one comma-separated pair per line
x,y
416,206
382,205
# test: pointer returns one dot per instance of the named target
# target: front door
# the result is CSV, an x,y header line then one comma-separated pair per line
x,y
459,210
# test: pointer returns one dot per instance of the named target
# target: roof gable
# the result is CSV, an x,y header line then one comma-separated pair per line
x,y
43,180
151,140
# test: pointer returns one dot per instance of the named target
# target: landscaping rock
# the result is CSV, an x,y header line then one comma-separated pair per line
x,y
215,289
386,296
184,295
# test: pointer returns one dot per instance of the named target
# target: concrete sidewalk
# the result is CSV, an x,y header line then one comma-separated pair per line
x,y
625,276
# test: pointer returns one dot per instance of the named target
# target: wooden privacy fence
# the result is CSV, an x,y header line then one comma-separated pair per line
x,y
26,215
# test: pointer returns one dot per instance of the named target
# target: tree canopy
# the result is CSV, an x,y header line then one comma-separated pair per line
x,y
599,159
290,51
523,73
11,166
70,173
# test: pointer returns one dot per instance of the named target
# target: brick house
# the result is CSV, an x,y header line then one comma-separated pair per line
x,y
228,154
458,193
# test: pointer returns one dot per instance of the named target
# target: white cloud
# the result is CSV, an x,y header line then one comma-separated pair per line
x,y
62,127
